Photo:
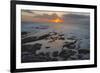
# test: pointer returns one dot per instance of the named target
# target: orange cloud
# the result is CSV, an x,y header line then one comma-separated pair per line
x,y
56,20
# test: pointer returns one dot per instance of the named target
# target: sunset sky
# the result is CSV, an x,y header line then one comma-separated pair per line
x,y
53,16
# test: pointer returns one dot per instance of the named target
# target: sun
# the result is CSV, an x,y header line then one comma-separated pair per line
x,y
57,20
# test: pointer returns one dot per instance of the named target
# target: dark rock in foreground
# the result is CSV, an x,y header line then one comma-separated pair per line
x,y
65,54
68,51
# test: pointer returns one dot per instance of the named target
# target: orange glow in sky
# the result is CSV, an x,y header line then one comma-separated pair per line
x,y
57,20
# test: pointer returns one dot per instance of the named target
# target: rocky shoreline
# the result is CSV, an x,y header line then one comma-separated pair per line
x,y
52,46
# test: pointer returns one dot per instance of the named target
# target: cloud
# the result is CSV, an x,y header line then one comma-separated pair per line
x,y
28,11
45,16
76,18
34,16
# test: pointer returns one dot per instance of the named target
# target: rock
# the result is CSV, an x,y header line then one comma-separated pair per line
x,y
31,48
61,38
26,58
26,48
24,33
84,51
54,59
55,54
47,47
84,56
28,39
65,54
25,53
70,45
52,46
